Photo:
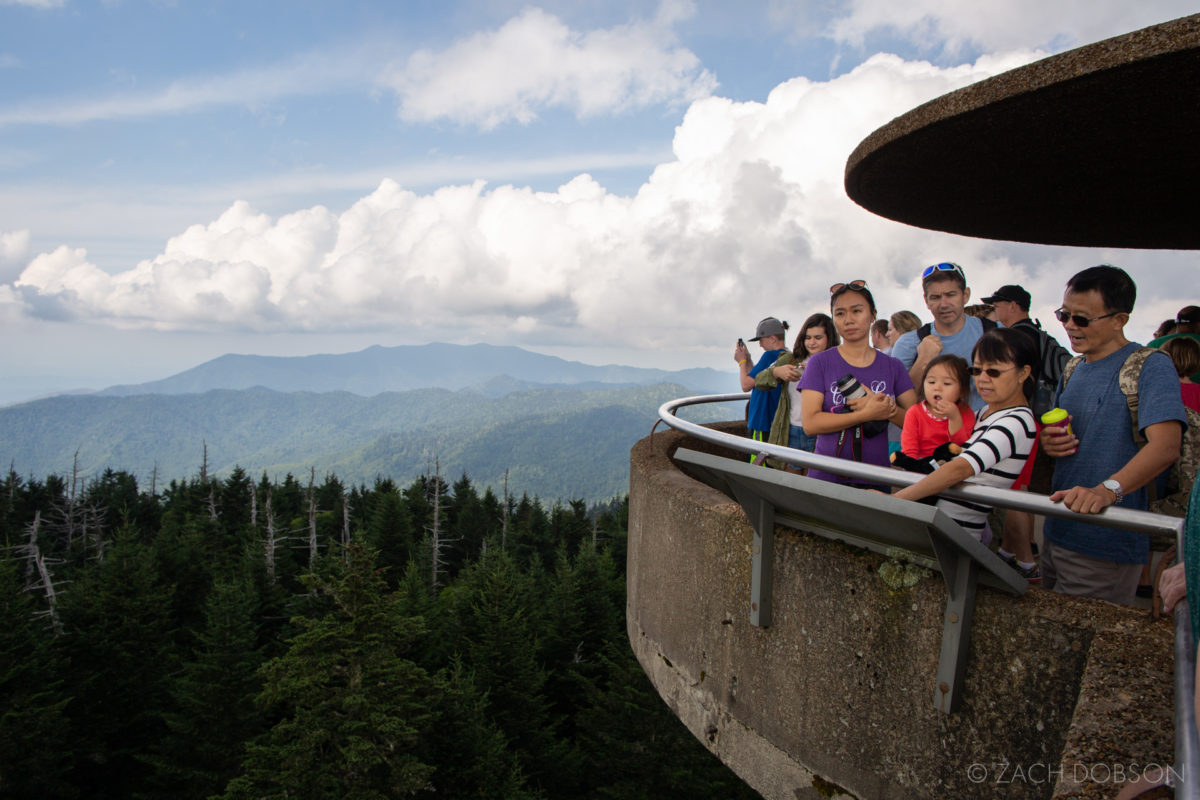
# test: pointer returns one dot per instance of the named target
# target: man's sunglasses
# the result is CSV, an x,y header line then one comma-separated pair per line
x,y
1062,315
991,372
838,287
945,266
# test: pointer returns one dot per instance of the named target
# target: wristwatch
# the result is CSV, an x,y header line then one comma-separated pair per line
x,y
1114,487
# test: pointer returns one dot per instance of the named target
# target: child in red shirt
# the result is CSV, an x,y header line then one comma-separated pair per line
x,y
935,427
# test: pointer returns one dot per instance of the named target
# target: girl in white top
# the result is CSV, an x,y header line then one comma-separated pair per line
x,y
1004,434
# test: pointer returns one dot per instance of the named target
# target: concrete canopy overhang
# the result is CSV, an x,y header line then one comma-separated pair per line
x,y
1098,146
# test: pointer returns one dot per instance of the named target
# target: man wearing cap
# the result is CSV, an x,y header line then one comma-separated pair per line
x,y
952,331
1187,323
1012,304
1012,309
763,402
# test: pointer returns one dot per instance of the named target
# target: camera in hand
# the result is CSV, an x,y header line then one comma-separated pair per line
x,y
851,389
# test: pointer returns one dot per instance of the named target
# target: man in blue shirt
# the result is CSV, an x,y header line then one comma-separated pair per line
x,y
1098,463
953,331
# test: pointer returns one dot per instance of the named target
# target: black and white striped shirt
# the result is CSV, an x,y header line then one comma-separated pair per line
x,y
996,451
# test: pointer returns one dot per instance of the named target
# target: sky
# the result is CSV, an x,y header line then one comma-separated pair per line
x,y
615,182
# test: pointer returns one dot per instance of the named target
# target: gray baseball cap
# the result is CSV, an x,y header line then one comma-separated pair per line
x,y
768,327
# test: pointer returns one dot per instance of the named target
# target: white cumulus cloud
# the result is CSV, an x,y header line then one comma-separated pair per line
x,y
749,219
951,26
753,197
535,61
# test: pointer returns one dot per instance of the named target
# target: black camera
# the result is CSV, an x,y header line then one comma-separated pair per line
x,y
850,388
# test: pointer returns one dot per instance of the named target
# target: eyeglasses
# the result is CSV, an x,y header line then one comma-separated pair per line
x,y
991,372
1062,315
857,284
945,266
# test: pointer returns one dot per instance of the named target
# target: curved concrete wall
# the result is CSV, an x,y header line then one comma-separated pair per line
x,y
1063,696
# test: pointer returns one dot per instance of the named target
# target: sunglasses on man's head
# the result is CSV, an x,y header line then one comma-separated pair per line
x,y
1062,315
945,266
991,372
857,284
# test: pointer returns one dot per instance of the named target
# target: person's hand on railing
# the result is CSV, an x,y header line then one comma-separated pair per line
x,y
1172,585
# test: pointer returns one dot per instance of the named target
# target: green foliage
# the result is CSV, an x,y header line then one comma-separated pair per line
x,y
352,703
35,748
553,442
188,666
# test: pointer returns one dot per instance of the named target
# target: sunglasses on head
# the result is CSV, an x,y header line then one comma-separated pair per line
x,y
1062,315
945,266
857,284
991,372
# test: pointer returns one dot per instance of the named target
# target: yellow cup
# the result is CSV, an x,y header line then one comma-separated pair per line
x,y
1057,417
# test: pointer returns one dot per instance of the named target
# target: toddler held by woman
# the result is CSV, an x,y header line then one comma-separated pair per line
x,y
935,428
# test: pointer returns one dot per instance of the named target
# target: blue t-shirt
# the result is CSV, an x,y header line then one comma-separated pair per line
x,y
885,375
1100,419
960,344
763,402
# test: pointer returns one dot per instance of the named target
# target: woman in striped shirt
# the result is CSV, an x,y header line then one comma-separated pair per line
x,y
1003,361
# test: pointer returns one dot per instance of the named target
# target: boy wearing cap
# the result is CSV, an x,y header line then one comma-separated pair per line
x,y
763,402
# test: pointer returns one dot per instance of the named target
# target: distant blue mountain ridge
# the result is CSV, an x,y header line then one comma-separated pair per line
x,y
501,415
491,370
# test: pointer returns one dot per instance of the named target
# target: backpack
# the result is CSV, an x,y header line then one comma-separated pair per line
x,y
1180,475
1052,359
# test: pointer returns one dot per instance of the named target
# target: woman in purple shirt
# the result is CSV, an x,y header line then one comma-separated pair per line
x,y
856,429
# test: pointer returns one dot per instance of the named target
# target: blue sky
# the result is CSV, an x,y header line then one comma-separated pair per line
x,y
616,182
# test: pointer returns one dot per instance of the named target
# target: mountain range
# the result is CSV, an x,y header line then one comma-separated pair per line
x,y
560,429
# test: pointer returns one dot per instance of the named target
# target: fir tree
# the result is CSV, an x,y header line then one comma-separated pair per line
x,y
35,750
352,705
213,712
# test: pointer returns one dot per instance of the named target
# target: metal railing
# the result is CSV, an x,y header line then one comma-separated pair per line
x,y
1139,521
1186,778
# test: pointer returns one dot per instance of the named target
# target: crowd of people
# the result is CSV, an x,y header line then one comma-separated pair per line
x,y
963,397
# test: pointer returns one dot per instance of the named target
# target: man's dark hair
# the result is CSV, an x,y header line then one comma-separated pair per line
x,y
1116,288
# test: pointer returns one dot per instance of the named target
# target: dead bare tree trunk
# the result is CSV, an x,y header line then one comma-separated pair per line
x,y
346,528
312,518
270,541
436,540
504,527
36,565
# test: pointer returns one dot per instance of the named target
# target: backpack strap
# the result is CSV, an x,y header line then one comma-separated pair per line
x,y
1127,379
1069,369
927,328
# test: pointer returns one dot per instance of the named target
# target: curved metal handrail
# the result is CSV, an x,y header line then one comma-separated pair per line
x,y
1186,773
1139,521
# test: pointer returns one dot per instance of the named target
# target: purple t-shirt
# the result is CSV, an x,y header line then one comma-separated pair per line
x,y
885,375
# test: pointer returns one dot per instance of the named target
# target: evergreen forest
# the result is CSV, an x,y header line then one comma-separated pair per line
x,y
233,638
